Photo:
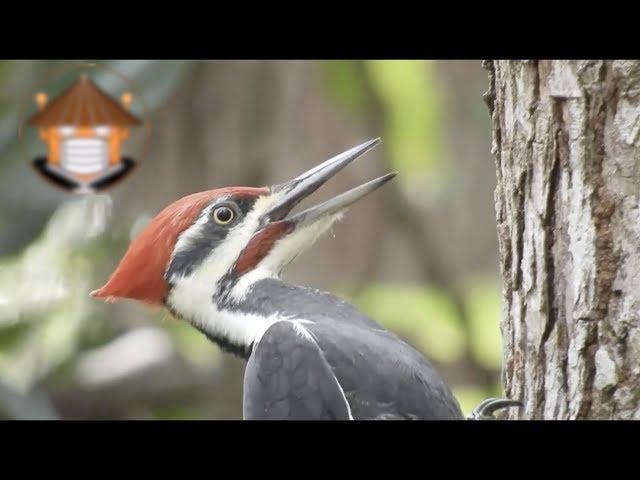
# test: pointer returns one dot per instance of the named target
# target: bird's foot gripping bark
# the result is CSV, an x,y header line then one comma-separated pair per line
x,y
488,407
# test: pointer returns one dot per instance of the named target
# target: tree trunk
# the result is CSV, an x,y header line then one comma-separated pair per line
x,y
565,142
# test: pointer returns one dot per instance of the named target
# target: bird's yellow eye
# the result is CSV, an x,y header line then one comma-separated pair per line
x,y
223,215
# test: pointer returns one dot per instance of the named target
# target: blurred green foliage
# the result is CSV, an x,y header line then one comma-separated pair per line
x,y
44,302
345,84
40,292
482,298
426,317
412,101
422,314
411,96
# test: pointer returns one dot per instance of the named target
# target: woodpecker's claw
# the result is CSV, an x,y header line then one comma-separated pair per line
x,y
486,409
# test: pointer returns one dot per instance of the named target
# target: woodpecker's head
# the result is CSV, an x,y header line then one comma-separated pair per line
x,y
215,244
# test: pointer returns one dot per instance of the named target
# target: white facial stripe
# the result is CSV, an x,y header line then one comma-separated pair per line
x,y
282,253
220,260
186,238
191,296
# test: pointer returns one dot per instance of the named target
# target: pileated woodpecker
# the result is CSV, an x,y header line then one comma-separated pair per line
x,y
214,259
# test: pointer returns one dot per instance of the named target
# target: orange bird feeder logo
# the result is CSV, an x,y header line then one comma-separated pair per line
x,y
84,130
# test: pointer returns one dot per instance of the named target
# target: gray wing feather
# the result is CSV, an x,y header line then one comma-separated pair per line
x,y
288,378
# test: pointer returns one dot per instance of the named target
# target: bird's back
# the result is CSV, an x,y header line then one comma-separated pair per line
x,y
381,375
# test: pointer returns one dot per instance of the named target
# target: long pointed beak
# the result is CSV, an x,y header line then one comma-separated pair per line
x,y
339,202
294,191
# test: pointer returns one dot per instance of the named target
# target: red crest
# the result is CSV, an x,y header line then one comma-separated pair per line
x,y
140,274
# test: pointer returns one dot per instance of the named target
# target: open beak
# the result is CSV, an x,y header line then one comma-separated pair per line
x,y
294,191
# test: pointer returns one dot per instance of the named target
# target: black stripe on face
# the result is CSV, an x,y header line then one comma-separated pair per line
x,y
210,236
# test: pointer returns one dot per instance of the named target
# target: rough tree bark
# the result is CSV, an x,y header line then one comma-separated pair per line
x,y
565,142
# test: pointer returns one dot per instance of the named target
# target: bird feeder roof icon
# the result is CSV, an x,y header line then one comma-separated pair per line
x,y
83,128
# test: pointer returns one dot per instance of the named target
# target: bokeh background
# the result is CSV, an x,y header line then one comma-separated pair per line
x,y
420,255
